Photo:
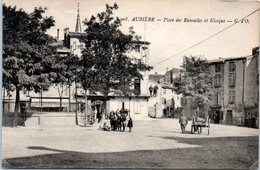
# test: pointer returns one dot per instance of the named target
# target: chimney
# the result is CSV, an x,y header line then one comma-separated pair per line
x,y
66,40
58,33
66,30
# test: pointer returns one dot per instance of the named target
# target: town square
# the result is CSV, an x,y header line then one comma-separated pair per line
x,y
153,143
103,84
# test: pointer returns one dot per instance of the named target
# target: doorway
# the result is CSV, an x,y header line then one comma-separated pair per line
x,y
229,117
97,107
217,117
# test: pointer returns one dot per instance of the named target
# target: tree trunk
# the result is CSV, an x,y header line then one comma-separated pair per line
x,y
3,101
16,109
69,100
41,99
86,107
76,97
105,105
129,107
105,108
60,95
60,103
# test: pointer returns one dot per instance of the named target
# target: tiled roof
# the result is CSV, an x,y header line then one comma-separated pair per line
x,y
76,34
222,60
57,44
156,76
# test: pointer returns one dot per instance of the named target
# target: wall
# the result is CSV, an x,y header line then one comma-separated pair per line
x,y
162,100
138,107
251,85
76,46
252,92
236,108
142,53
155,101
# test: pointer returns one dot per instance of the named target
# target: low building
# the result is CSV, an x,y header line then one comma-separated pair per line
x,y
163,101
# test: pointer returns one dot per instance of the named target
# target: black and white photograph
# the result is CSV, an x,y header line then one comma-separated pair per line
x,y
115,84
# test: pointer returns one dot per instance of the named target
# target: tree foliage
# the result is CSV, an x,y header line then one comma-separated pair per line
x,y
66,70
27,56
105,61
195,80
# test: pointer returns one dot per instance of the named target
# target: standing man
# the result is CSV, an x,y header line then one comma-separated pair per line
x,y
155,89
183,122
151,90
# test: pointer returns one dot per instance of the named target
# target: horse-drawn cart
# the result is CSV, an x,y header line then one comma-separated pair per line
x,y
199,123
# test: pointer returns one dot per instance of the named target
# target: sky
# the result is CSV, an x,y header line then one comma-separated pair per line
x,y
169,40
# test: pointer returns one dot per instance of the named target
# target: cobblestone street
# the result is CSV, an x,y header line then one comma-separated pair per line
x,y
152,143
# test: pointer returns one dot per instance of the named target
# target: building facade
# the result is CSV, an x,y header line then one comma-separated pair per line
x,y
163,101
235,90
251,92
170,75
228,84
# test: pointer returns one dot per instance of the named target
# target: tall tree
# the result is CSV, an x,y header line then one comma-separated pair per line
x,y
106,64
27,56
195,81
66,68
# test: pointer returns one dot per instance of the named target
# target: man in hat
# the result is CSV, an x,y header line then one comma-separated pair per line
x,y
183,122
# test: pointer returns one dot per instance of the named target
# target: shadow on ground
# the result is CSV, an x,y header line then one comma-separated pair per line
x,y
220,153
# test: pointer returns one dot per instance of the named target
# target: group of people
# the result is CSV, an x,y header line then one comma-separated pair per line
x,y
197,122
119,120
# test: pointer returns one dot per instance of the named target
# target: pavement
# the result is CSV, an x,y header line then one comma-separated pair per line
x,y
153,135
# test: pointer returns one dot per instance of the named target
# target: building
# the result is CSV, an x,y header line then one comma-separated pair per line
x,y
235,90
251,91
160,78
170,75
228,85
163,101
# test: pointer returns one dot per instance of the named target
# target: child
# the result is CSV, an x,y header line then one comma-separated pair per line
x,y
130,124
105,127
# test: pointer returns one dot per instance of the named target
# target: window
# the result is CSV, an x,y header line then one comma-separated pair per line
x,y
217,80
163,100
231,97
217,68
183,101
217,98
137,48
257,78
231,67
231,79
164,91
137,87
